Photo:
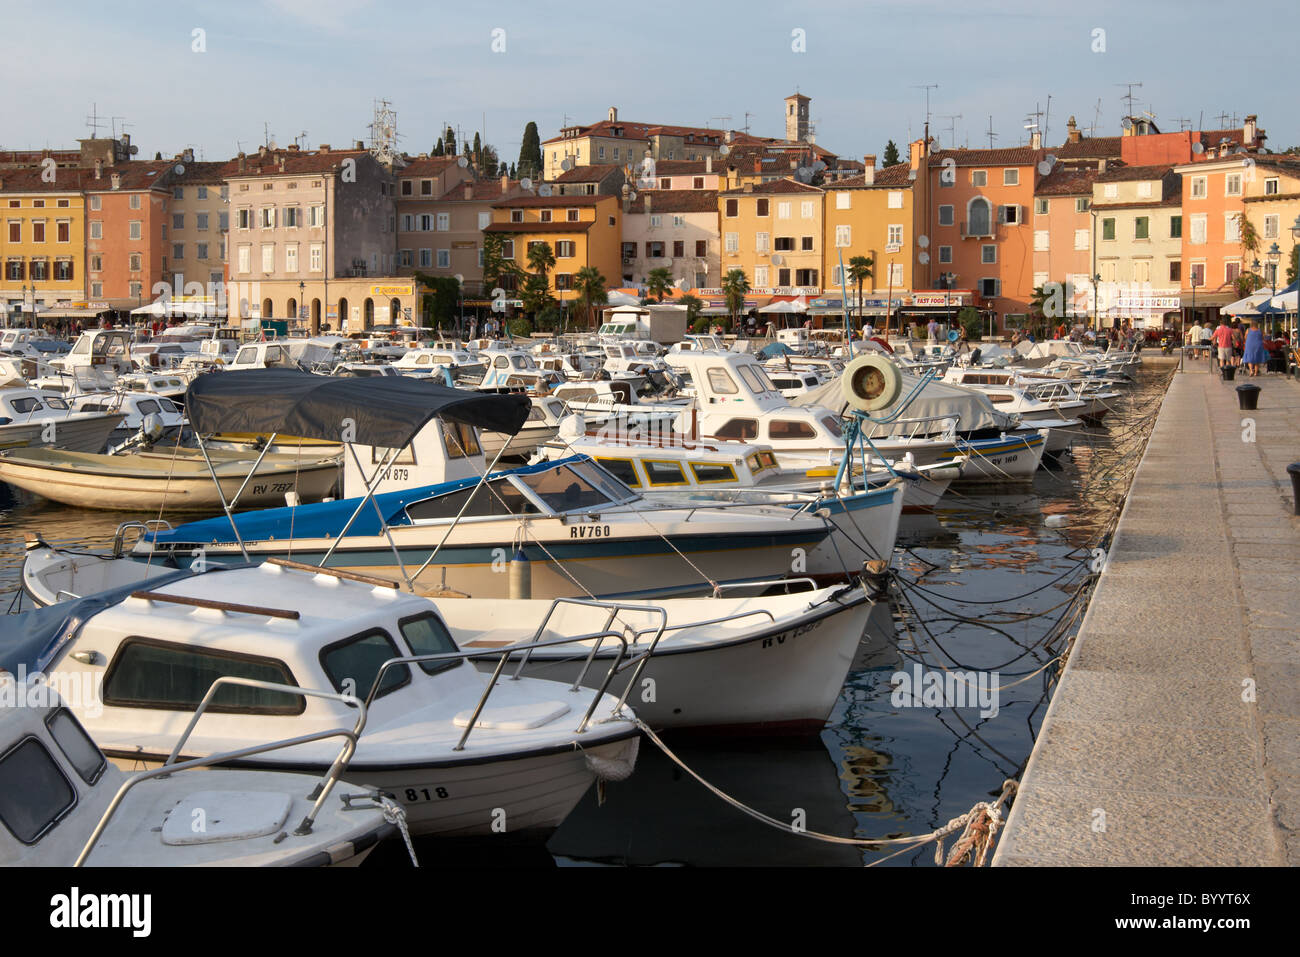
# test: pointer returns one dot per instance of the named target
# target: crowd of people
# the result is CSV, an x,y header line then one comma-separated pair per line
x,y
1237,343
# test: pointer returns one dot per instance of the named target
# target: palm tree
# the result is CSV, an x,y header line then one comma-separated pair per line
x,y
859,272
693,307
541,258
735,286
590,287
658,283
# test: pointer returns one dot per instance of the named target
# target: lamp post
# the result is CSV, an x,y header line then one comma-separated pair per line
x,y
1272,257
302,293
1096,293
1184,318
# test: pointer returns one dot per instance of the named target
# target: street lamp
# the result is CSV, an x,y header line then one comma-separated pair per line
x,y
302,292
1096,296
1184,318
1273,255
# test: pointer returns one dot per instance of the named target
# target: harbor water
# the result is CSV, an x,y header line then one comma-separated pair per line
x,y
992,582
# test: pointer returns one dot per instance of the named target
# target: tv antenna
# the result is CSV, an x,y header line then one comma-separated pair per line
x,y
927,87
300,140
93,121
1128,96
952,119
1223,119
1096,118
990,134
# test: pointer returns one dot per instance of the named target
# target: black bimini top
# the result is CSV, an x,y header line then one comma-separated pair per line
x,y
384,411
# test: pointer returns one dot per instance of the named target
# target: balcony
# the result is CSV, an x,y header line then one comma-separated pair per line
x,y
979,231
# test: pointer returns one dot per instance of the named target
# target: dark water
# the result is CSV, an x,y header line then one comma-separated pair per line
x,y
877,770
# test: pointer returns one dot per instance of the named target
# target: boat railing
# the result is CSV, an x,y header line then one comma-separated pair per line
x,y
503,654
144,528
170,766
944,425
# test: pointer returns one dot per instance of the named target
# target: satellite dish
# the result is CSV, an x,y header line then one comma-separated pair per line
x,y
911,174
544,190
1198,148
135,150
1126,123
180,169
871,383
462,162
460,278
526,183
1240,149
724,149
778,260
818,166
923,242
566,164
923,258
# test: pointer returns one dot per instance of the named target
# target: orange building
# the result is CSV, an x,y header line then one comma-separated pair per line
x,y
981,203
1063,245
581,231
126,237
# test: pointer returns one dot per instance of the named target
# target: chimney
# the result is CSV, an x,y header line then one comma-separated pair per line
x,y
117,180
505,185
748,188
1072,129
648,200
613,114
728,136
1036,140
469,191
243,162
869,162
361,145
708,163
282,163
1250,131
99,169
261,150
627,198
324,148
1101,165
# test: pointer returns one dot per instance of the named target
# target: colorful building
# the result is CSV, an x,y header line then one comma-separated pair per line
x,y
127,255
774,233
42,241
1063,247
1138,234
674,229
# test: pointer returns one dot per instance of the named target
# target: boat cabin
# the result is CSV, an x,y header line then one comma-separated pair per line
x,y
103,349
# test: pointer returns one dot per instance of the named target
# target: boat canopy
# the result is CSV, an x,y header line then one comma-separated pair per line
x,y
972,409
382,411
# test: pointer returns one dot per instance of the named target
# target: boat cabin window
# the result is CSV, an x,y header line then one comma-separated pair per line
x,y
1000,398
622,392
555,408
111,345
622,469
82,348
35,794
740,430
612,352
423,360
427,635
498,497
247,355
720,382
790,429
576,395
535,414
832,425
573,487
353,664
25,404
713,472
461,440
146,673
756,379
663,473
758,461
146,407
500,362
82,753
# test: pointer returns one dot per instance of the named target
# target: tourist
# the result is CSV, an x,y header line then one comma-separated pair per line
x,y
962,344
1223,340
1238,342
932,331
1254,355
1193,341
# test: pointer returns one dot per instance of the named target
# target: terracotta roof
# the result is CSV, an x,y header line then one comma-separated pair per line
x,y
199,173
34,157
151,174
29,180
482,190
638,131
676,201
429,166
1067,181
296,162
529,201
1089,147
891,176
1127,174
539,227
776,186
1015,156
1174,200
684,167
588,174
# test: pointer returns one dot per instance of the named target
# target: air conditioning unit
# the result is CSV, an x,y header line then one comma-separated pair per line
x,y
628,260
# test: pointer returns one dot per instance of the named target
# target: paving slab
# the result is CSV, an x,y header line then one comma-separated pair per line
x,y
1176,724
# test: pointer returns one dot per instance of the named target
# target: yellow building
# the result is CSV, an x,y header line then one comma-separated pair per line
x,y
872,215
1271,203
774,233
43,239
581,231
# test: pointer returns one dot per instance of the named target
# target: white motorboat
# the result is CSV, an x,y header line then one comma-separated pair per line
x,y
30,419
464,754
760,664
63,803
541,425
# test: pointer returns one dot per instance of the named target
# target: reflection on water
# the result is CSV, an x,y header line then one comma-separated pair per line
x,y
877,770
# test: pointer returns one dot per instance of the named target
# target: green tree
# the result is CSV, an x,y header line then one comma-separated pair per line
x,y
512,171
969,319
658,283
442,299
536,293
530,153
859,272
891,154
438,150
478,152
590,287
1293,269
735,286
693,307
449,141
495,266
541,257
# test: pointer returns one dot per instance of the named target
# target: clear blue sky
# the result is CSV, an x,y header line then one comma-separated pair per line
x,y
318,65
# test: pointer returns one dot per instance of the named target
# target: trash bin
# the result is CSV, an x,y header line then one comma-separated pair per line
x,y
1248,398
1294,471
1228,372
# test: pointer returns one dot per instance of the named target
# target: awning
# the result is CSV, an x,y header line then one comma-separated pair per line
x,y
1249,306
382,411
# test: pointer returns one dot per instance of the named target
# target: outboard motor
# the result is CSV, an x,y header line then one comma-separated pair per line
x,y
975,357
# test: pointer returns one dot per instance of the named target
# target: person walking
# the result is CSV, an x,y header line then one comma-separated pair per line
x,y
1222,338
932,331
1238,342
1254,355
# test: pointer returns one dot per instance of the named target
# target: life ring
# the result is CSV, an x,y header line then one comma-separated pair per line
x,y
871,383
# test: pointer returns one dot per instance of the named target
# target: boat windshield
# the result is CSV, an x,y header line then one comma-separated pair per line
x,y
576,487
